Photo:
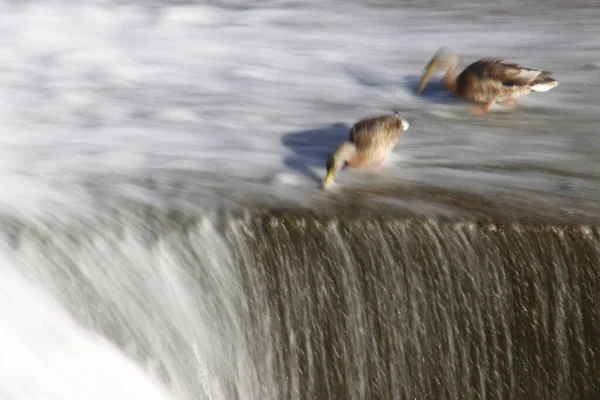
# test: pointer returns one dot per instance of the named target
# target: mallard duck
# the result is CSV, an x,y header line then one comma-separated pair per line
x,y
370,140
488,80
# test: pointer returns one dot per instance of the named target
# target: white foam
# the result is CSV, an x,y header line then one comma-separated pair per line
x,y
109,88
44,354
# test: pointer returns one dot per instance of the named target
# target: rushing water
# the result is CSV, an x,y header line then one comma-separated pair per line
x,y
164,235
284,305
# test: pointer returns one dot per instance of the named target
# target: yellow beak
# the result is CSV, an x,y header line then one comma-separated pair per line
x,y
328,180
429,70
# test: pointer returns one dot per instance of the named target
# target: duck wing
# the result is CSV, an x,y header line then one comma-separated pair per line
x,y
508,73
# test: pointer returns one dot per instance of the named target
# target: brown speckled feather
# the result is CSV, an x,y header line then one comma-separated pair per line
x,y
375,137
370,140
488,80
497,80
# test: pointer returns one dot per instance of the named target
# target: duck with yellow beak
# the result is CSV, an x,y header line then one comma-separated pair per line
x,y
488,80
370,141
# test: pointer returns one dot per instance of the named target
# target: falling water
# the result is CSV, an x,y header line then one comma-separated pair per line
x,y
272,305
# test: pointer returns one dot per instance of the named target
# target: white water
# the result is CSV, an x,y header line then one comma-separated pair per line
x,y
220,99
122,92
46,355
173,305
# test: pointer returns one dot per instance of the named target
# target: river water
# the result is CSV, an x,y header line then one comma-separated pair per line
x,y
164,234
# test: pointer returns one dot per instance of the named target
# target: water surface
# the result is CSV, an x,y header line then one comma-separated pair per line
x,y
164,233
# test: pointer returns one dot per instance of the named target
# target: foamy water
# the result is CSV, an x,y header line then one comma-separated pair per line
x,y
46,355
103,101
117,92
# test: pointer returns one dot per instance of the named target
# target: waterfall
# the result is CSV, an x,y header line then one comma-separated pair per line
x,y
272,305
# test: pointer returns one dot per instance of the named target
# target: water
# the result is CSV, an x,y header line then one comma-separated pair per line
x,y
283,305
45,354
164,233
248,98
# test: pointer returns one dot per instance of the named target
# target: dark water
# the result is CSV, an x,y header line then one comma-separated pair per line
x,y
417,309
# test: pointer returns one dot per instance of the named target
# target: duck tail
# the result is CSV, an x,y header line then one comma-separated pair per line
x,y
543,82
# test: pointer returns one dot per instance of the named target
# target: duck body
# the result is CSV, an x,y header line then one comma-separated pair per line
x,y
495,80
488,80
374,138
370,140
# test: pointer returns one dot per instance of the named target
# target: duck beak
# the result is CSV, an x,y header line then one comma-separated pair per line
x,y
328,179
429,70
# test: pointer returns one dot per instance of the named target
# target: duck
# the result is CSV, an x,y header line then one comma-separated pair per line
x,y
370,141
488,80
